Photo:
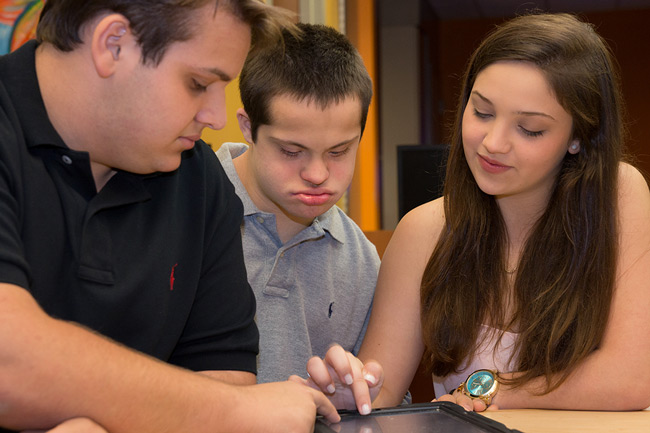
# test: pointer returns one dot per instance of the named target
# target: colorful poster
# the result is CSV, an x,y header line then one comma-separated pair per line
x,y
18,19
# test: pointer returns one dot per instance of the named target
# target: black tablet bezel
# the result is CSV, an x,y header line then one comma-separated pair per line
x,y
485,424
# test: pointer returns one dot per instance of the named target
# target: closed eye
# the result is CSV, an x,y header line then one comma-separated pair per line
x,y
197,87
481,115
289,153
337,153
531,133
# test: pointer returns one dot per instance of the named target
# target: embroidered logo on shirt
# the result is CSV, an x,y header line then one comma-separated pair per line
x,y
331,310
171,278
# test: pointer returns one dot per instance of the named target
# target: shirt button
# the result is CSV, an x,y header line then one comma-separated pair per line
x,y
260,220
67,159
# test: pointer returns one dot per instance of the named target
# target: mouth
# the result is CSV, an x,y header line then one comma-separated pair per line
x,y
314,198
491,165
188,141
195,137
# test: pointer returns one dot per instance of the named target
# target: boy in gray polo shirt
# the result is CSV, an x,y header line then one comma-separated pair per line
x,y
312,269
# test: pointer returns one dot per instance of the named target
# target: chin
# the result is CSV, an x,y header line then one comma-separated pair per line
x,y
170,165
491,190
311,214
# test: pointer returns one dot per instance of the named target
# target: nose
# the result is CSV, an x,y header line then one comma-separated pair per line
x,y
212,112
497,137
316,172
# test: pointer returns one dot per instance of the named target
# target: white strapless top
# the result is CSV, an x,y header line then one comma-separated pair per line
x,y
487,357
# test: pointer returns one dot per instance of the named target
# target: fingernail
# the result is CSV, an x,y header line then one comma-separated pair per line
x,y
370,378
331,388
348,379
365,409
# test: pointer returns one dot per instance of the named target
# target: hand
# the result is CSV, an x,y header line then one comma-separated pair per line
x,y
469,404
282,407
74,425
345,379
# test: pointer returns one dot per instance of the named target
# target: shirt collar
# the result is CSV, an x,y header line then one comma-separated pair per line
x,y
18,75
226,153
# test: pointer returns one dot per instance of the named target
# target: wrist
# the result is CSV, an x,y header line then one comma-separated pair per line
x,y
482,384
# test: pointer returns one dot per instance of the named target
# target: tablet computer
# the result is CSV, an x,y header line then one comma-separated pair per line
x,y
435,417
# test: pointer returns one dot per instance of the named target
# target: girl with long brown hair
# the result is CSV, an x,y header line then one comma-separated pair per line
x,y
533,269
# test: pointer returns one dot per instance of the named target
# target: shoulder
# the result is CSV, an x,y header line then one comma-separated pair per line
x,y
630,180
633,193
424,222
417,234
10,129
633,200
9,117
353,237
350,227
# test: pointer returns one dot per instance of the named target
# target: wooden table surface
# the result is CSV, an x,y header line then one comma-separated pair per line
x,y
559,421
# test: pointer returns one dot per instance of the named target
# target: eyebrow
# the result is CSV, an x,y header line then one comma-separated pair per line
x,y
524,113
217,72
291,143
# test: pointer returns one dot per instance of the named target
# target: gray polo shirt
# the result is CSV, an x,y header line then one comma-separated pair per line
x,y
312,291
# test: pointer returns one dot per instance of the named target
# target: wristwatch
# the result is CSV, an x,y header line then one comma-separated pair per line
x,y
482,384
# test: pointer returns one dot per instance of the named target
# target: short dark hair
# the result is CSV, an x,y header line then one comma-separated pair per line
x,y
156,23
318,64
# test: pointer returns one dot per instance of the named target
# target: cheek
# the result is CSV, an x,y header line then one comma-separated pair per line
x,y
471,131
343,171
548,161
173,106
467,138
274,173
559,157
466,124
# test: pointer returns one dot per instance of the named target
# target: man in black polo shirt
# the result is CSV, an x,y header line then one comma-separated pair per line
x,y
119,231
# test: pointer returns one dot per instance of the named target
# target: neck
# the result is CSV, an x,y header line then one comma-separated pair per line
x,y
101,174
69,102
63,100
520,214
288,228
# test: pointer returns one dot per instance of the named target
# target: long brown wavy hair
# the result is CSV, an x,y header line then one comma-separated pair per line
x,y
566,273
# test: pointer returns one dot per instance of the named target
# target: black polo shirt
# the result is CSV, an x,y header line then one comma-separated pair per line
x,y
154,262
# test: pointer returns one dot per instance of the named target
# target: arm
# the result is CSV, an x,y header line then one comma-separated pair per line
x,y
393,339
124,391
86,425
74,425
232,377
613,376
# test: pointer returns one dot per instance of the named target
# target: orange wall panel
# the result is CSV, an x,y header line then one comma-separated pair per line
x,y
364,195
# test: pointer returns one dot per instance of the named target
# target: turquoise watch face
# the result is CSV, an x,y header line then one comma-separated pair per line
x,y
480,383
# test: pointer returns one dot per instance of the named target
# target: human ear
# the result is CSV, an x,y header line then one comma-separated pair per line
x,y
108,38
574,147
245,125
